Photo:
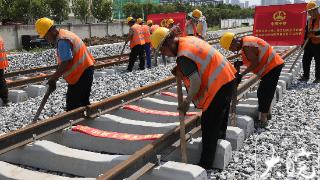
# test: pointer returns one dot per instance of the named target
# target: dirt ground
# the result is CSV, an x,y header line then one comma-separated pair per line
x,y
104,40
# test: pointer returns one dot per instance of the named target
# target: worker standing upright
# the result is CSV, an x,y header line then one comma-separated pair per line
x,y
75,63
201,26
3,65
191,26
312,49
146,35
209,79
261,59
137,42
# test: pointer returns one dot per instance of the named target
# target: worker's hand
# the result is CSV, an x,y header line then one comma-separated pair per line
x,y
184,106
52,84
237,64
238,78
311,34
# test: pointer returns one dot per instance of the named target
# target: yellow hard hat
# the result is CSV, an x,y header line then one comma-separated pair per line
x,y
170,21
226,40
149,22
163,23
139,20
311,5
158,37
129,19
43,25
196,13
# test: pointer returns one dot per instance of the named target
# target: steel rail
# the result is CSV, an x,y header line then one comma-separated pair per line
x,y
47,68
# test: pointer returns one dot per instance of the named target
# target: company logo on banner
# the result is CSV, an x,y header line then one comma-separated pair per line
x,y
179,18
280,25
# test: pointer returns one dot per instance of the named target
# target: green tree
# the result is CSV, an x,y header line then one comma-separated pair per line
x,y
39,9
133,9
59,9
80,8
102,10
21,10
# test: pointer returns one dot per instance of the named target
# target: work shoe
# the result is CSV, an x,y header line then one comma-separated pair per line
x,y
269,116
303,78
5,102
264,124
257,124
316,81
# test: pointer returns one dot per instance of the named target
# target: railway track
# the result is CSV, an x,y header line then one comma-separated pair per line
x,y
140,128
36,75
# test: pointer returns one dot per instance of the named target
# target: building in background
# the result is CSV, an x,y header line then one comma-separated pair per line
x,y
246,4
298,1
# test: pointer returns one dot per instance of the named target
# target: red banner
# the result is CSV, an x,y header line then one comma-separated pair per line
x,y
280,25
114,135
178,17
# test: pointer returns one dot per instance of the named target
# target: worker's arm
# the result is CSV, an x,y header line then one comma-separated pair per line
x,y
252,54
130,34
64,50
189,69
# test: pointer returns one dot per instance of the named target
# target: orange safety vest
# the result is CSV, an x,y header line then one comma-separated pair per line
x,y
137,38
82,58
153,28
214,69
268,58
3,56
316,27
146,33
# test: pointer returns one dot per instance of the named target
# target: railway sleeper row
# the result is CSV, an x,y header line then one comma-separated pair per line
x,y
86,156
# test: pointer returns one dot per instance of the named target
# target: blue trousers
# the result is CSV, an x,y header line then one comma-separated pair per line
x,y
148,54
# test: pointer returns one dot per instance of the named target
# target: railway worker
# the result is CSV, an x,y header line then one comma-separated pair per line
x,y
75,63
175,28
146,34
137,42
201,23
152,26
312,48
209,79
262,60
191,26
3,65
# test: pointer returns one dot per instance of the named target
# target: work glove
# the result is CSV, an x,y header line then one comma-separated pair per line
x,y
52,85
238,78
237,64
184,106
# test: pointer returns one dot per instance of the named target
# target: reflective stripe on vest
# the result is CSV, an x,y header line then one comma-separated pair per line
x,y
213,68
138,38
146,33
268,58
82,59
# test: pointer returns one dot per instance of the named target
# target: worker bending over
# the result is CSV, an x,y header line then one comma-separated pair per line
x,y
137,43
261,59
75,63
209,79
3,65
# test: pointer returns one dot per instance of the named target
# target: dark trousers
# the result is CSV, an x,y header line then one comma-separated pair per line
x,y
311,51
78,94
3,87
136,51
148,54
214,123
267,88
